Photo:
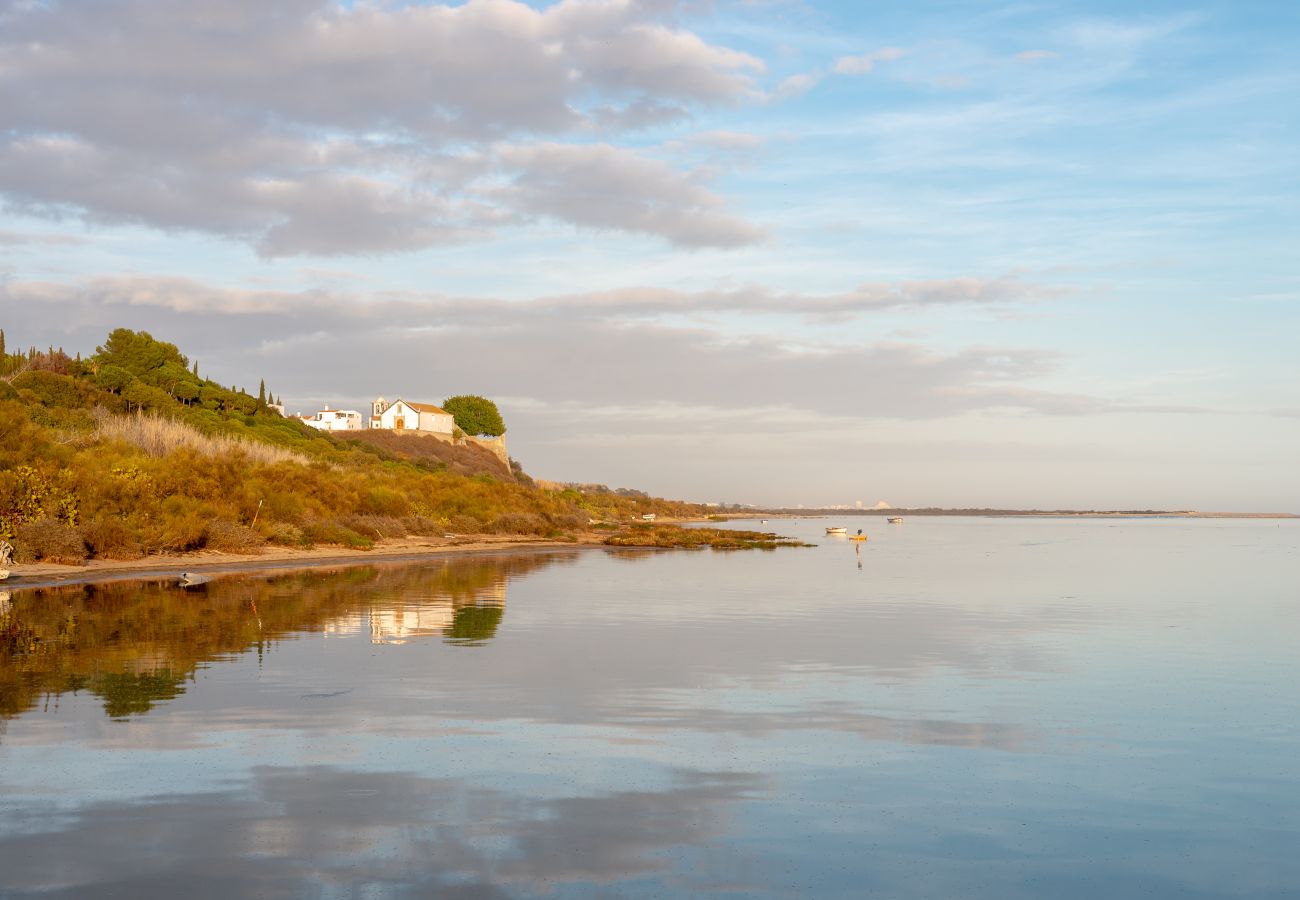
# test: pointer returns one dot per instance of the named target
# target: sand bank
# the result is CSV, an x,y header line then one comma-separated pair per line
x,y
410,549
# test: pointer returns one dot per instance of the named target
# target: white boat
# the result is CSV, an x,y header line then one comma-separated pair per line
x,y
837,530
895,520
190,579
4,573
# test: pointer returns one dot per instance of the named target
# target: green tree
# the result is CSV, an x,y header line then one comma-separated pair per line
x,y
261,395
138,352
114,378
475,415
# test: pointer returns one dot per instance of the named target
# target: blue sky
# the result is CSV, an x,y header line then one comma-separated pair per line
x,y
962,253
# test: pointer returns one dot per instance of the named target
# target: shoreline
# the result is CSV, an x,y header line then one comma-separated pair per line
x,y
276,559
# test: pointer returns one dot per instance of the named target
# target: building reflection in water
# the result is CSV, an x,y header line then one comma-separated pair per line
x,y
135,644
470,616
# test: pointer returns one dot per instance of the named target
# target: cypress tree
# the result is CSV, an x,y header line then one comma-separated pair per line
x,y
2,342
261,395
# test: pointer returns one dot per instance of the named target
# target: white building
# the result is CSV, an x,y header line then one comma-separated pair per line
x,y
403,415
333,420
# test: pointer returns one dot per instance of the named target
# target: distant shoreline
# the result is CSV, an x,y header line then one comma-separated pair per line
x,y
1013,513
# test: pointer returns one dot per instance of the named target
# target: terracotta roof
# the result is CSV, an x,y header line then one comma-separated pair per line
x,y
426,408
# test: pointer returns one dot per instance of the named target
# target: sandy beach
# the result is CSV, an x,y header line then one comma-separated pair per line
x,y
37,575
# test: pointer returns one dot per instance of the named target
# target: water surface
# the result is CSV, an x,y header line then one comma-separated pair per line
x,y
959,708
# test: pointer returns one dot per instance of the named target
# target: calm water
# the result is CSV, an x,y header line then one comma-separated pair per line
x,y
964,708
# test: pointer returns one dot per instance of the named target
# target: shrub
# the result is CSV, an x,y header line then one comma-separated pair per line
x,y
376,527
520,523
422,525
49,540
110,538
335,533
231,537
462,524
574,520
285,535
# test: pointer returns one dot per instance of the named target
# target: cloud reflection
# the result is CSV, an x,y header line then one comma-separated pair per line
x,y
286,831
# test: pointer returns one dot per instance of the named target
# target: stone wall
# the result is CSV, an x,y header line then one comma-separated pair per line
x,y
494,445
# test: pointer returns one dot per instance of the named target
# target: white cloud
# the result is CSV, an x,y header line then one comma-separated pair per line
x,y
307,128
606,187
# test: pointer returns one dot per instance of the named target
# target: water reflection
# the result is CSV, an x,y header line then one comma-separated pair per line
x,y
137,644
1007,710
313,829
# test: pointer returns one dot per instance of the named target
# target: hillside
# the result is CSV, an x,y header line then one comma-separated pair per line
x,y
428,451
131,451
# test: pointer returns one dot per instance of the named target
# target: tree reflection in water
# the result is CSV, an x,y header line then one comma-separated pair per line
x,y
135,644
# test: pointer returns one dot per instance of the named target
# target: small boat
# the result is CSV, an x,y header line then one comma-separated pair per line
x,y
837,530
4,573
189,580
858,537
895,520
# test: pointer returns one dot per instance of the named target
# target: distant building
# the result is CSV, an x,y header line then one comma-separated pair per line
x,y
333,420
405,415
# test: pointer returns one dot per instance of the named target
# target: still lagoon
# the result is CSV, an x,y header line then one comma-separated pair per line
x,y
961,707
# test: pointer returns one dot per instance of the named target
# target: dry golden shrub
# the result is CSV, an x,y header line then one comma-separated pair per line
x,y
462,524
111,538
231,537
49,540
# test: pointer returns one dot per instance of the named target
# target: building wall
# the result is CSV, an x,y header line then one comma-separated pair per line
x,y
335,420
413,420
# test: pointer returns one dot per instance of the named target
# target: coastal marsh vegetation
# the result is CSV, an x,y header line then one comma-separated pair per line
x,y
698,538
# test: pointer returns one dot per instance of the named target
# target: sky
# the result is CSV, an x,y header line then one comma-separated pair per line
x,y
767,251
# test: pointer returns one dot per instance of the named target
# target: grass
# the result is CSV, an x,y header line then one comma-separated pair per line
x,y
159,436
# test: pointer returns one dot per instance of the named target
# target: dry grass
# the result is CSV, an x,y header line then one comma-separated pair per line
x,y
159,436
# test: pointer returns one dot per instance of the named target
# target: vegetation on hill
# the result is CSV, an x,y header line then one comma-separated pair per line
x,y
131,451
431,452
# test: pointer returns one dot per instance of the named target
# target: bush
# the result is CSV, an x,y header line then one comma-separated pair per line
x,y
49,540
376,527
574,520
231,537
422,525
520,523
110,538
462,524
285,535
335,533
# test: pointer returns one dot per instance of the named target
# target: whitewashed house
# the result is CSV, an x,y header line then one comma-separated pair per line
x,y
333,420
404,415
